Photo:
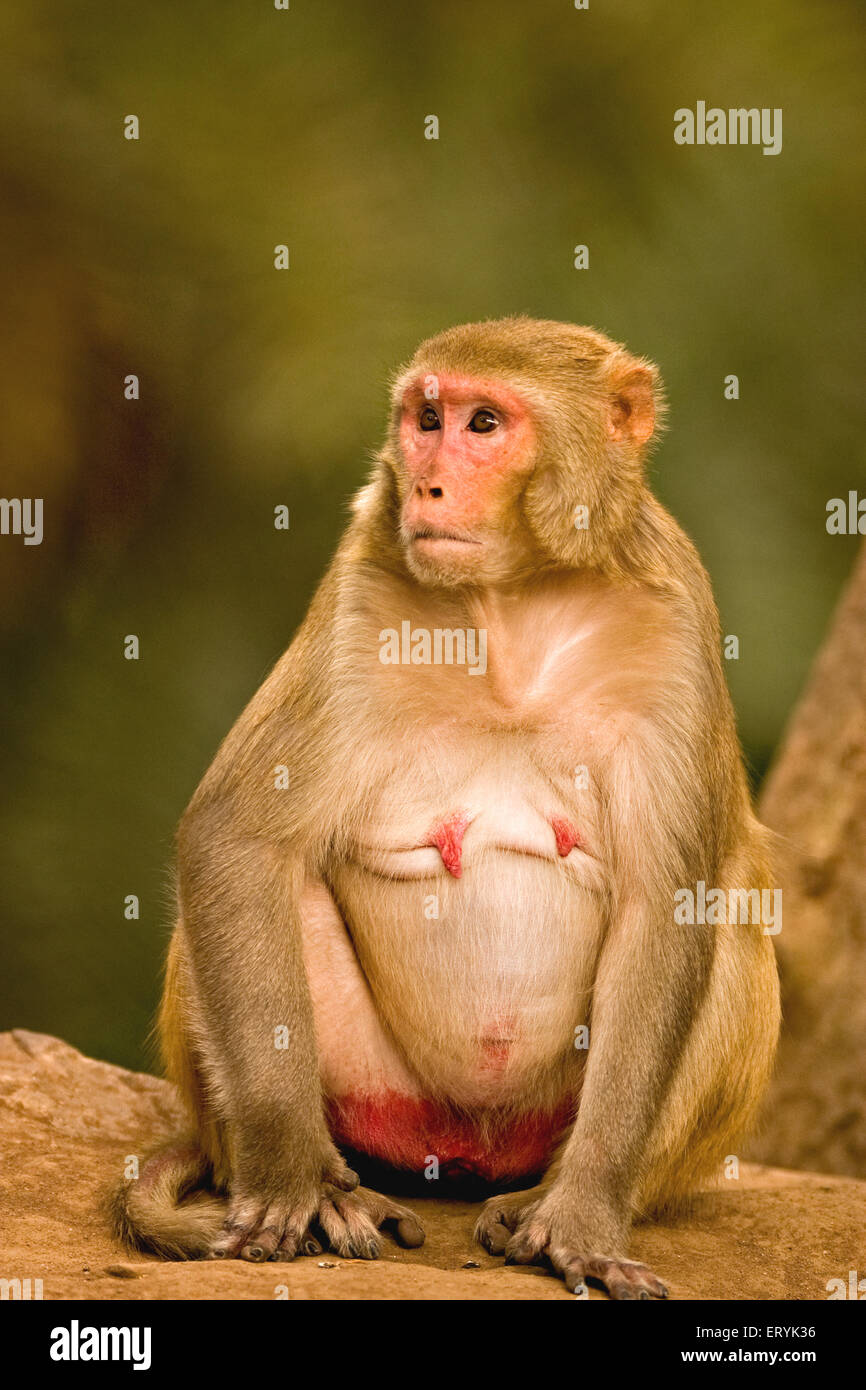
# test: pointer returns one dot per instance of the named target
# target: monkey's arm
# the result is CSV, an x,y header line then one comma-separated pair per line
x,y
245,845
253,1032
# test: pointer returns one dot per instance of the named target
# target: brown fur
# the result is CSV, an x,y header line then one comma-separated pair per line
x,y
604,651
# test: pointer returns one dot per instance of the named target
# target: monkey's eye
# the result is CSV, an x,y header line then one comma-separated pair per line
x,y
483,421
428,419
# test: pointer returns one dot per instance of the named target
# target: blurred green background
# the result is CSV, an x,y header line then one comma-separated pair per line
x,y
261,387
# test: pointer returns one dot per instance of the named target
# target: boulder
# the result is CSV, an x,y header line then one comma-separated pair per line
x,y
67,1124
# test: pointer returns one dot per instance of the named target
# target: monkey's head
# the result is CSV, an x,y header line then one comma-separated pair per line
x,y
514,445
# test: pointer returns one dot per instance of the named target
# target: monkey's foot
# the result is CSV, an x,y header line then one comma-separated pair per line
x,y
528,1229
350,1224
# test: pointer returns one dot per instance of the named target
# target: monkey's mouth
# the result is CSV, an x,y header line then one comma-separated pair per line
x,y
435,534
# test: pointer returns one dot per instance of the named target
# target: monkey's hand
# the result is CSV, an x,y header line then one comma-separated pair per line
x,y
500,1217
340,1216
350,1224
545,1226
258,1226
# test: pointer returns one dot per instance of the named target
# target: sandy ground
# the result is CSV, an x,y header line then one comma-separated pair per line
x,y
67,1123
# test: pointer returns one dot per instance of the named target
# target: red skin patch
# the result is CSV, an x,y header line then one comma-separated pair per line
x,y
497,1042
567,837
466,469
448,839
495,1052
404,1131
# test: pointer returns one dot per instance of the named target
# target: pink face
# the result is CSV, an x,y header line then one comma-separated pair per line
x,y
467,447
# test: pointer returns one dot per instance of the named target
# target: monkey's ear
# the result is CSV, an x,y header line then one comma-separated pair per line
x,y
632,409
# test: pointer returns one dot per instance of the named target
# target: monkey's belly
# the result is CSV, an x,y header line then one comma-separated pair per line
x,y
483,981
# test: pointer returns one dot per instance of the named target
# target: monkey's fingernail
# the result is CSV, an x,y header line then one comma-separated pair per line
x,y
312,1247
374,1250
643,1294
351,1180
217,1254
253,1252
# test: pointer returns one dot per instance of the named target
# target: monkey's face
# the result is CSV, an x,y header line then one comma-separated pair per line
x,y
466,453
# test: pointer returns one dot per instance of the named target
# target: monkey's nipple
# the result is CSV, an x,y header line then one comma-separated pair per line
x,y
568,837
448,839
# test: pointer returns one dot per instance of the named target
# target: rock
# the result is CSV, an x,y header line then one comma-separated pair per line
x,y
815,799
67,1124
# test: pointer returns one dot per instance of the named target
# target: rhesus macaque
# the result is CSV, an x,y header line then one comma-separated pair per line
x,y
472,870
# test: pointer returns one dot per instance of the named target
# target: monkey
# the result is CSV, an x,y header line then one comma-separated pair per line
x,y
426,909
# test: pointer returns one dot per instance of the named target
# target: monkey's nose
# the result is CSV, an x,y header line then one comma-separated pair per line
x,y
425,490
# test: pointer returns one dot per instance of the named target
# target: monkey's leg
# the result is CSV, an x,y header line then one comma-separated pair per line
x,y
356,1055
354,1052
648,988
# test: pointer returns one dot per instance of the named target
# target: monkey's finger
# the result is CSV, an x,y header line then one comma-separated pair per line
x,y
349,1229
512,1214
334,1228
227,1244
494,1237
409,1232
520,1250
405,1226
361,1225
572,1269
502,1216
308,1246
242,1220
263,1244
626,1279
383,1212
